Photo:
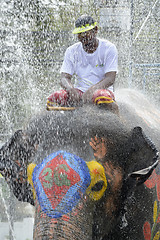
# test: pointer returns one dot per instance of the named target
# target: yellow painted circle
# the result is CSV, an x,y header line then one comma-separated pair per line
x,y
97,174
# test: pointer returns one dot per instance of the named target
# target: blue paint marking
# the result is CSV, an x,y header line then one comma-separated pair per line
x,y
72,196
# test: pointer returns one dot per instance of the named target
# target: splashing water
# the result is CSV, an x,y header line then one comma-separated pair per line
x,y
34,38
7,214
142,106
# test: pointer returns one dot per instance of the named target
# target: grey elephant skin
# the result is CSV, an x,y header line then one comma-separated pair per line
x,y
128,206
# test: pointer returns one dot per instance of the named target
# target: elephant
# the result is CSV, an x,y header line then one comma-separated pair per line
x,y
90,173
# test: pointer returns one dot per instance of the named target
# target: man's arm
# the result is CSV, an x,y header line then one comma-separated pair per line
x,y
105,83
66,81
67,85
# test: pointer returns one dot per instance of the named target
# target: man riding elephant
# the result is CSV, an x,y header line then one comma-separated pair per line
x,y
94,61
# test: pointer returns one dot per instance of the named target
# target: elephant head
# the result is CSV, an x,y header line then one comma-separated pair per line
x,y
77,169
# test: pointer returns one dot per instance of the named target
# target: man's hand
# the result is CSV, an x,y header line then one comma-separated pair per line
x,y
87,96
74,96
106,82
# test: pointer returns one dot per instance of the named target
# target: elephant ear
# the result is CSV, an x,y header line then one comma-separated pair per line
x,y
142,156
9,152
13,166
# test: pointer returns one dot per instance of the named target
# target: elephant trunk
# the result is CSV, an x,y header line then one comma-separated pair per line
x,y
76,225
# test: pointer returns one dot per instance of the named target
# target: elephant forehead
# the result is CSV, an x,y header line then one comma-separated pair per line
x,y
59,181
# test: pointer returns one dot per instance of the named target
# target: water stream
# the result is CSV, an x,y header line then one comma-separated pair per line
x,y
29,68
7,214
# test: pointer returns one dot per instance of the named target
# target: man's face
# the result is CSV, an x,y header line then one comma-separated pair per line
x,y
87,37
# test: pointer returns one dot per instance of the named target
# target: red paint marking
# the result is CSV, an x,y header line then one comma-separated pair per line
x,y
95,171
56,193
54,221
38,208
75,212
43,215
147,231
153,181
158,219
158,187
65,218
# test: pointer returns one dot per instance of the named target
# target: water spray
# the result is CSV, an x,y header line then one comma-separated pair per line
x,y
145,21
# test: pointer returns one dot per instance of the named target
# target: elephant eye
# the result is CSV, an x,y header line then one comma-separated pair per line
x,y
98,186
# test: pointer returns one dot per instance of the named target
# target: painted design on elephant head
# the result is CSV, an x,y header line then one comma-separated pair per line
x,y
154,181
98,181
59,181
30,169
61,178
149,233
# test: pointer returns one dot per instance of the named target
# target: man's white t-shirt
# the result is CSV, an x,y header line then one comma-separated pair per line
x,y
90,68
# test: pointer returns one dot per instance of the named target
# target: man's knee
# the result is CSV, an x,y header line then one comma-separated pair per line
x,y
58,98
104,98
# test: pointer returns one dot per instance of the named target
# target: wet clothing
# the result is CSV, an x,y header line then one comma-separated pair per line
x,y
90,68
61,98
